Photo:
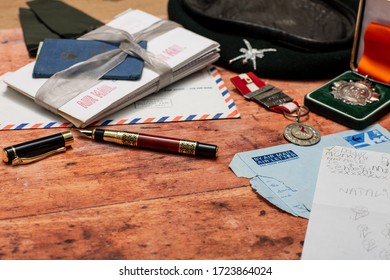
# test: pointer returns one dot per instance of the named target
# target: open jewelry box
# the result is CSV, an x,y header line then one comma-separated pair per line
x,y
360,96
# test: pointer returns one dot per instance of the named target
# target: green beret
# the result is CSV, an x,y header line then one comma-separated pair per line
x,y
282,39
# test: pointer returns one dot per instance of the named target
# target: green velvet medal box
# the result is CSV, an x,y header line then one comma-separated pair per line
x,y
360,96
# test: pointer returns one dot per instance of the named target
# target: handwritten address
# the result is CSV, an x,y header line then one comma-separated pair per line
x,y
355,162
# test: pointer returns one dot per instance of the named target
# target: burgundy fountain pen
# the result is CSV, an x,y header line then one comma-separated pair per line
x,y
153,142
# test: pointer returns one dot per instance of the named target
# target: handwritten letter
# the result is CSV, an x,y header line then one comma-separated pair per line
x,y
350,218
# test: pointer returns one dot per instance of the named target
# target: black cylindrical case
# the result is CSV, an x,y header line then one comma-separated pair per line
x,y
37,147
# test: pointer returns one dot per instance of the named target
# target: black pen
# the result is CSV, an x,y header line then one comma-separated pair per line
x,y
148,141
37,149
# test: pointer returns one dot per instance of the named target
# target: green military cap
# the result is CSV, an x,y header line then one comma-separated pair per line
x,y
287,39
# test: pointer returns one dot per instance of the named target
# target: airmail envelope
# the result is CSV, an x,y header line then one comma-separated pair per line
x,y
286,175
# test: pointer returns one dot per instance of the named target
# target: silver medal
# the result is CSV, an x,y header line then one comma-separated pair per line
x,y
301,134
354,92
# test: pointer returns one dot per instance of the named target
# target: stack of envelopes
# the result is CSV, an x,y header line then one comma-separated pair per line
x,y
182,50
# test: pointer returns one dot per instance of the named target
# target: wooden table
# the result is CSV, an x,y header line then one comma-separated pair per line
x,y
101,201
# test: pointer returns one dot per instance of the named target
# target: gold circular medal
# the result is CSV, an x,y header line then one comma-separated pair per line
x,y
301,134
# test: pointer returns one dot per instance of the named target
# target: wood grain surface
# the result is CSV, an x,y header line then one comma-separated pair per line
x,y
104,201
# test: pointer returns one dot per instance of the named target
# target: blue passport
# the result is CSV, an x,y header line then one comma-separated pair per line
x,y
59,54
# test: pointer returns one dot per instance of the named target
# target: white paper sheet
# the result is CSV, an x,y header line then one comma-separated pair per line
x,y
350,218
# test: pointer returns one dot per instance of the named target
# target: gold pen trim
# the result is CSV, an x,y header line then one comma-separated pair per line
x,y
121,137
19,161
187,147
68,138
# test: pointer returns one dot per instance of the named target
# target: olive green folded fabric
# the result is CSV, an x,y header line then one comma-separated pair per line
x,y
33,30
53,19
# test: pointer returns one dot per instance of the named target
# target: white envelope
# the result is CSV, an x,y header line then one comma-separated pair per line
x,y
201,96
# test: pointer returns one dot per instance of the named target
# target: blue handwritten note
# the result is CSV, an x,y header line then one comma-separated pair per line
x,y
350,217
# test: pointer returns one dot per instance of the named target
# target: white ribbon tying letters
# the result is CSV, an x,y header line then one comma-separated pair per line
x,y
67,84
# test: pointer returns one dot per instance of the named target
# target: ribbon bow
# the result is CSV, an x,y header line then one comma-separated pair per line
x,y
67,84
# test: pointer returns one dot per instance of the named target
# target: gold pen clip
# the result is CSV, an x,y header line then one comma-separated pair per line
x,y
19,161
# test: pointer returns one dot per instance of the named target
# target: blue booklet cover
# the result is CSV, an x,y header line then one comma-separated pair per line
x,y
59,54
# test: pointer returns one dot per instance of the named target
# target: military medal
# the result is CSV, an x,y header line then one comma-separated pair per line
x,y
299,133
274,99
355,92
